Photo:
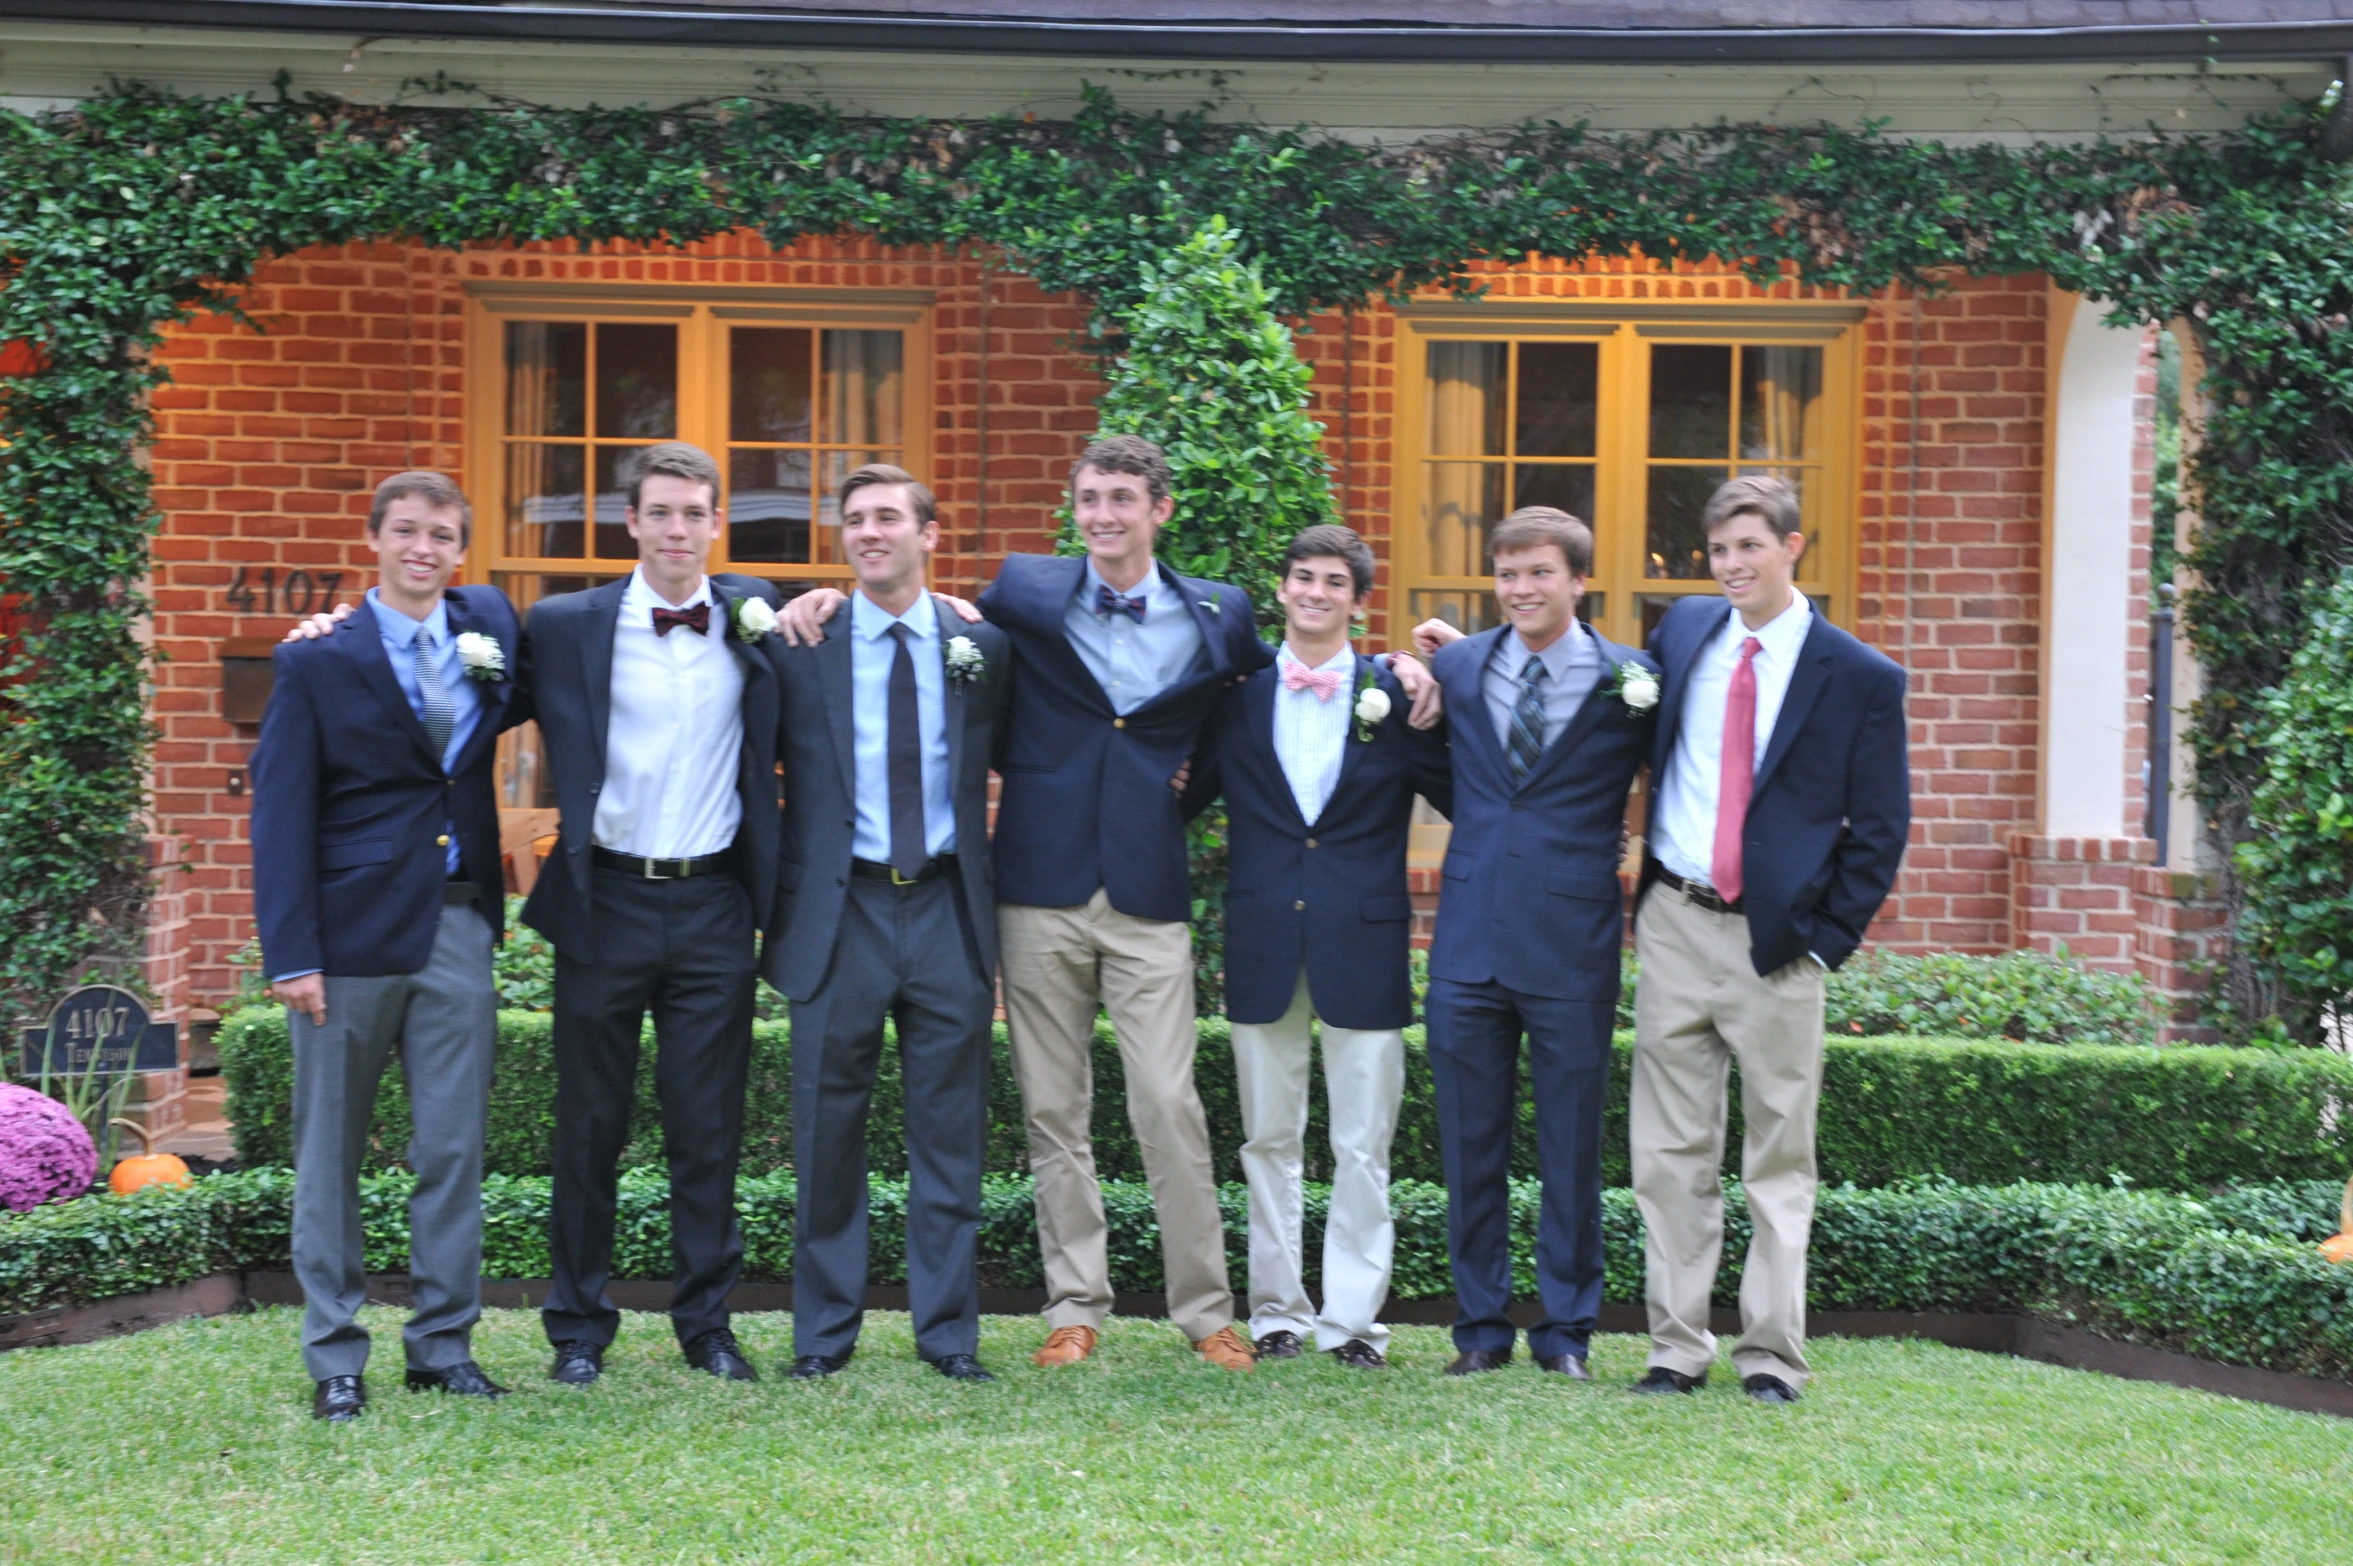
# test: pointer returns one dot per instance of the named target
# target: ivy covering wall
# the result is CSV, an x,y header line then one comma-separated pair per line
x,y
137,209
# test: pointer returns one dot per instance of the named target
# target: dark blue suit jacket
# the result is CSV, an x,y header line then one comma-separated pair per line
x,y
1329,893
568,685
1832,804
1086,801
350,802
815,740
1531,898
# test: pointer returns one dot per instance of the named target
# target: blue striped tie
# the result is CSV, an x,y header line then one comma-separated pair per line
x,y
1527,719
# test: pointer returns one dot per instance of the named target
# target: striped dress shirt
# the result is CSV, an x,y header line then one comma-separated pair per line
x,y
1311,733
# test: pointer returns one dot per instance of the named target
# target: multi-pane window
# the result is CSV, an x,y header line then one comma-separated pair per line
x,y
1630,426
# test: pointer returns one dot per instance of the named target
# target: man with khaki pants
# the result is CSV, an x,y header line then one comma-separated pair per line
x,y
1781,800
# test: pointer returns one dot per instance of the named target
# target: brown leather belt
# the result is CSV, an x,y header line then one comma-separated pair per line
x,y
1698,893
933,869
662,869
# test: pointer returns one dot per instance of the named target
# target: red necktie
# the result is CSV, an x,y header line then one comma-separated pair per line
x,y
1738,778
1324,682
697,619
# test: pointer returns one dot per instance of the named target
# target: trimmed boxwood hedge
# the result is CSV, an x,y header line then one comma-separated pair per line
x,y
1984,1112
2232,1278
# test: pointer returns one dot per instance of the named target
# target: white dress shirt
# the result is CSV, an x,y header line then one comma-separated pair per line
x,y
872,652
674,743
1684,836
1134,663
1311,733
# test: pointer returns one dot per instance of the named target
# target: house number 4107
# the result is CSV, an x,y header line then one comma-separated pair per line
x,y
298,592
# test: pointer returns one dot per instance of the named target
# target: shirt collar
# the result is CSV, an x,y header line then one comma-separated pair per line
x,y
872,621
639,598
402,629
1092,585
1779,637
1342,659
1566,652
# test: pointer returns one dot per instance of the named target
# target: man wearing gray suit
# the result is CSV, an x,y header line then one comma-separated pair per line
x,y
886,908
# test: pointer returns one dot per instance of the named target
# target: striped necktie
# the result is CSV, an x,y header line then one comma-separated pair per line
x,y
1527,719
439,715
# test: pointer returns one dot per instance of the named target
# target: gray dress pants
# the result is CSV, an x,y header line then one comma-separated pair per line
x,y
443,1021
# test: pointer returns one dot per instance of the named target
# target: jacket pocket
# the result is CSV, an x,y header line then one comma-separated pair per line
x,y
1386,910
352,853
1598,885
1460,866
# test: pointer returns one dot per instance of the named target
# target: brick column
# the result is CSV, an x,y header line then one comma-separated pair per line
x,y
2077,893
2184,931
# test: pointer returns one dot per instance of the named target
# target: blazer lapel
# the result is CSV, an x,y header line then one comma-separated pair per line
x,y
596,659
1589,712
1059,582
1258,706
493,694
366,645
1681,656
1476,727
833,678
1352,749
1805,687
1198,596
955,711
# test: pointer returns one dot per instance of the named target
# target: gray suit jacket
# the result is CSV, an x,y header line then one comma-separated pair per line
x,y
813,745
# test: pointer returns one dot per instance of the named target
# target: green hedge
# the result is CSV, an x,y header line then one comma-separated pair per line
x,y
2232,1278
1981,1112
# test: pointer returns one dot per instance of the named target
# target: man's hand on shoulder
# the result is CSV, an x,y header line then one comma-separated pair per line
x,y
317,625
1431,635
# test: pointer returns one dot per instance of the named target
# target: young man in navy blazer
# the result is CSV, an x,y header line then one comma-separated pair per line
x,y
1780,801
1117,663
1549,722
376,885
1319,768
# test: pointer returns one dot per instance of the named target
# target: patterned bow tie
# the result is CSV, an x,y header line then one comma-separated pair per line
x,y
1109,602
697,619
1324,682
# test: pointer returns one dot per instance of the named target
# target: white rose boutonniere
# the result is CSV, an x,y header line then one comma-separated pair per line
x,y
965,662
753,619
1372,706
481,656
1638,688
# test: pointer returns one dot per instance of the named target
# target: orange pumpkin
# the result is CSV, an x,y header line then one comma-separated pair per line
x,y
149,1168
2338,1247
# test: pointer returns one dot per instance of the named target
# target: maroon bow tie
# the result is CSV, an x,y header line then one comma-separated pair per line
x,y
697,619
1108,602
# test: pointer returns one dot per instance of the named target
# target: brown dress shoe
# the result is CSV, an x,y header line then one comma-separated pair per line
x,y
1227,1349
1065,1346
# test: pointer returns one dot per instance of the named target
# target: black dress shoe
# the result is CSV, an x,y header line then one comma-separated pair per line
x,y
1660,1379
961,1367
1569,1365
1471,1361
717,1352
465,1378
578,1363
1768,1389
339,1399
1279,1345
815,1367
1357,1354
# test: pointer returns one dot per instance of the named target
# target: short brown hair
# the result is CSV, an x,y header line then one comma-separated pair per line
x,y
1331,541
673,459
1129,454
926,508
441,492
1532,527
1763,495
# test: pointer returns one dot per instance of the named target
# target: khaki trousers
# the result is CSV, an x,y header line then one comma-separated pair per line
x,y
1700,1006
1364,1076
1059,965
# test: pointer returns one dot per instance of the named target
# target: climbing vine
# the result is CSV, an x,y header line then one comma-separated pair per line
x,y
138,208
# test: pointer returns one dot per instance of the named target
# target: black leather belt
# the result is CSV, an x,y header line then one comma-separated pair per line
x,y
1699,894
662,869
933,869
457,894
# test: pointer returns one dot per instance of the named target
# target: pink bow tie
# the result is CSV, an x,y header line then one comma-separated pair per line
x,y
1324,682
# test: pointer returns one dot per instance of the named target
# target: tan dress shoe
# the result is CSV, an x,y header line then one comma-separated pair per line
x,y
1227,1349
1065,1346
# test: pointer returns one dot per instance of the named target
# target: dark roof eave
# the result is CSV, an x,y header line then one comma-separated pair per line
x,y
654,24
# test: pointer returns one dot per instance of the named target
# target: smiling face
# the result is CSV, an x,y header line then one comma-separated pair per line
x,y
1753,565
1319,599
675,523
1118,519
1537,592
419,547
887,546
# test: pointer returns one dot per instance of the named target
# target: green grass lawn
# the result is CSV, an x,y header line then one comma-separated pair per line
x,y
194,1444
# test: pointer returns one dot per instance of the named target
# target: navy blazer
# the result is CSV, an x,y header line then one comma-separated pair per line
x,y
1086,801
567,678
815,740
1530,898
350,803
1832,805
1329,894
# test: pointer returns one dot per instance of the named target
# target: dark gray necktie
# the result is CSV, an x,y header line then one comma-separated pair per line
x,y
439,715
904,748
1527,719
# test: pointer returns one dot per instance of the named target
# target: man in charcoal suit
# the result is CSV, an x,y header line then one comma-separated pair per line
x,y
1319,768
886,908
1549,723
1780,802
376,888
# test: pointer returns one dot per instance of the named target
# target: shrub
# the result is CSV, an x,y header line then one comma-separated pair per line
x,y
2028,996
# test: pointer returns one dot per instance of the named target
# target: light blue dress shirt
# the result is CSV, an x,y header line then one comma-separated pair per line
x,y
1572,667
465,701
1134,663
872,651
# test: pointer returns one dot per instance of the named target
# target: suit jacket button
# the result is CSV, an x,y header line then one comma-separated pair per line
x,y
1119,723
442,841
1300,906
1311,842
